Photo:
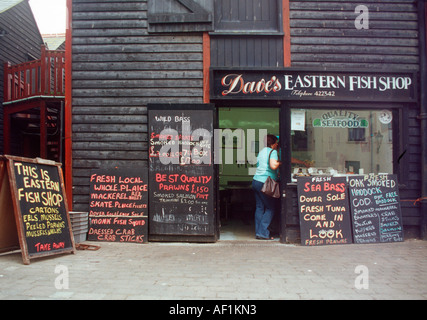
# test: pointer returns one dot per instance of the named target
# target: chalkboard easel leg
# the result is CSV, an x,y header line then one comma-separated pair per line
x,y
25,258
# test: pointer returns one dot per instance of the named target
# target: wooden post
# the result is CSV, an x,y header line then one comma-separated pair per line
x,y
6,85
287,34
206,66
6,131
44,72
285,169
43,130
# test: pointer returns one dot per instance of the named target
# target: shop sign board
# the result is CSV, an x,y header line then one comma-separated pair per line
x,y
318,85
33,191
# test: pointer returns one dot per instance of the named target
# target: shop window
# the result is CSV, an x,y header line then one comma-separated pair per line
x,y
179,16
336,141
248,15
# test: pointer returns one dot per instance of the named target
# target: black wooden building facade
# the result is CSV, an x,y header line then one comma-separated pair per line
x,y
132,53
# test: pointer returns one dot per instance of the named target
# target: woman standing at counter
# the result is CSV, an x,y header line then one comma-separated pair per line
x,y
267,165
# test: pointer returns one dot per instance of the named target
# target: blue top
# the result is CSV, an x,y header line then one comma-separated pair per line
x,y
263,169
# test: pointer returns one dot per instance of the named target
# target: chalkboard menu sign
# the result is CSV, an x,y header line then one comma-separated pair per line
x,y
375,208
181,172
118,207
40,207
324,211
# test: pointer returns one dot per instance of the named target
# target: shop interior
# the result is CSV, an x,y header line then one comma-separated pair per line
x,y
241,131
341,142
335,142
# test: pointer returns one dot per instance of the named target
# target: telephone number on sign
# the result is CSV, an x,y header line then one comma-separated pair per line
x,y
305,93
324,93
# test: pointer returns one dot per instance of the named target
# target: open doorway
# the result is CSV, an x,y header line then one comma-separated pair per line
x,y
241,131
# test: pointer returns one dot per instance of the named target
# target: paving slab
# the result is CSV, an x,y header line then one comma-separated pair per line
x,y
226,270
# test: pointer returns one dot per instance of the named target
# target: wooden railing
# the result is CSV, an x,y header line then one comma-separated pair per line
x,y
43,77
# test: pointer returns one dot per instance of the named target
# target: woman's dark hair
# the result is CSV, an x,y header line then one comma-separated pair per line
x,y
271,139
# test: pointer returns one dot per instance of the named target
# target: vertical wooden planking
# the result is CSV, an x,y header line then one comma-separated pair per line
x,y
247,34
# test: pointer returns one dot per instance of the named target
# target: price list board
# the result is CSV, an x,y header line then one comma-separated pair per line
x,y
118,207
181,173
324,211
375,208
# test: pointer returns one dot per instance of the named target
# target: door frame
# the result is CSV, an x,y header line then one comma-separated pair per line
x,y
280,106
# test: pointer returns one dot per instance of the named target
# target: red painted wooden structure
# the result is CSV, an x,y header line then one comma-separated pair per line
x,y
33,94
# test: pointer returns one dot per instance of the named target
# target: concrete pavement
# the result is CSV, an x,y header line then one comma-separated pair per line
x,y
224,270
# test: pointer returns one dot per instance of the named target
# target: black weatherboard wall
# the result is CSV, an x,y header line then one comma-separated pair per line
x,y
323,33
119,68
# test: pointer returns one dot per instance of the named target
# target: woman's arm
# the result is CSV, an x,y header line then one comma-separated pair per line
x,y
275,164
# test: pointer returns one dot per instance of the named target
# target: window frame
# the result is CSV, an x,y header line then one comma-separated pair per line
x,y
229,29
196,19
